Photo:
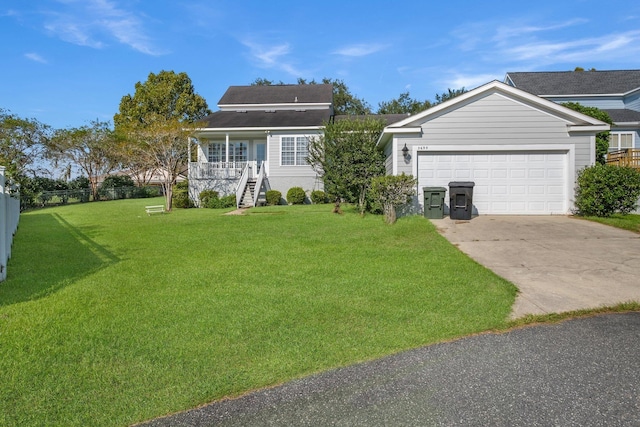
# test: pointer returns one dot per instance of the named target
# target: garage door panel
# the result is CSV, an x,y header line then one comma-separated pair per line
x,y
505,182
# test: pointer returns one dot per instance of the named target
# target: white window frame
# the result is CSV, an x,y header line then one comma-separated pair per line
x,y
618,138
298,159
222,151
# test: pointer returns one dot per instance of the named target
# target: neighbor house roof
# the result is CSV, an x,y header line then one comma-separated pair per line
x,y
549,83
264,119
278,94
623,115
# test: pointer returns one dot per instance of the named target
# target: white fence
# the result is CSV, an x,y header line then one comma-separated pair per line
x,y
9,217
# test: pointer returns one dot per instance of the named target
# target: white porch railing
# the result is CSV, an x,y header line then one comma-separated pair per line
x,y
222,170
259,182
9,218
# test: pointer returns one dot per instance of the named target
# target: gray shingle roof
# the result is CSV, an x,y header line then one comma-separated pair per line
x,y
263,119
577,83
624,115
278,94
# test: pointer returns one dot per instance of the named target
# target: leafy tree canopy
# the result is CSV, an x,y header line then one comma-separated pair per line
x,y
602,138
92,148
347,158
164,96
404,104
22,143
449,94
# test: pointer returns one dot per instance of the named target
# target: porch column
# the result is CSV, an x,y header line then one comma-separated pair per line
x,y
189,148
227,150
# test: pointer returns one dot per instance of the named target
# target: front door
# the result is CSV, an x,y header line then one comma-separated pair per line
x,y
260,154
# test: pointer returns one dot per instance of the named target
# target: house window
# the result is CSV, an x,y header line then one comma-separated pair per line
x,y
238,151
217,153
294,150
620,140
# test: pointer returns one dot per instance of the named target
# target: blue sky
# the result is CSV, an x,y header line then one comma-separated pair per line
x,y
66,62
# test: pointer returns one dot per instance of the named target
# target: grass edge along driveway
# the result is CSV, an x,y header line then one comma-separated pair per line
x,y
110,316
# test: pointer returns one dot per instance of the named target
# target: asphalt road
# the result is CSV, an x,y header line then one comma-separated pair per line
x,y
583,372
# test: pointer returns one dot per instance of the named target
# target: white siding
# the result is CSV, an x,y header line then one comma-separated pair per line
x,y
282,178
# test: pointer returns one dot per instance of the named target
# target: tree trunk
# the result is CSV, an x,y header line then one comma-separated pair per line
x,y
390,216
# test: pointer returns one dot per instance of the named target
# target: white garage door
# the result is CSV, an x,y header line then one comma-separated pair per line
x,y
505,182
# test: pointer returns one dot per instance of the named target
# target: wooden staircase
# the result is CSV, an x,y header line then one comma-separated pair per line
x,y
246,201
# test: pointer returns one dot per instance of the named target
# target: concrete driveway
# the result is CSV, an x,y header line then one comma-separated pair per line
x,y
558,263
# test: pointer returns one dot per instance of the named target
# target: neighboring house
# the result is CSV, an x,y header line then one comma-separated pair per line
x,y
617,92
258,140
521,151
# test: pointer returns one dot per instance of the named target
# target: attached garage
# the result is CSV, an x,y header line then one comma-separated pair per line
x,y
506,182
521,151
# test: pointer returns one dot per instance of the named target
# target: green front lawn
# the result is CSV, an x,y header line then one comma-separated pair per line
x,y
110,316
629,222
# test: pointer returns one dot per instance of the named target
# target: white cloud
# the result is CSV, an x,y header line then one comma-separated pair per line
x,y
505,33
611,46
272,57
358,50
93,22
469,81
35,57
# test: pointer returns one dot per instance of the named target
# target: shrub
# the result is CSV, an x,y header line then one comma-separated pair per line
x,y
392,191
318,197
273,197
208,198
603,190
296,196
180,197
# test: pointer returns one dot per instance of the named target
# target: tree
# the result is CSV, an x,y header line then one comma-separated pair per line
x,y
163,143
404,104
22,143
154,125
392,191
91,148
602,138
450,94
344,102
164,96
347,158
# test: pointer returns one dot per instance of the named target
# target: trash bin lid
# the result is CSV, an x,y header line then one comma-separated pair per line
x,y
465,184
433,189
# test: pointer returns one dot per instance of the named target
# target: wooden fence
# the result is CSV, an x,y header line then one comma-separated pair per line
x,y
9,217
627,157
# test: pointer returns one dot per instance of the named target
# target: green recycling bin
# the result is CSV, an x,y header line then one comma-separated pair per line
x,y
434,202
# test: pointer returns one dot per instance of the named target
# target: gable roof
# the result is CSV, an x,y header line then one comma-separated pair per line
x,y
549,83
278,94
412,123
266,120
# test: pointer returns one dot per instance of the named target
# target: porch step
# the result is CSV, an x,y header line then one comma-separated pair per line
x,y
246,201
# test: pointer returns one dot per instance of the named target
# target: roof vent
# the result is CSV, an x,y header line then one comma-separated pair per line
x,y
241,111
296,99
269,111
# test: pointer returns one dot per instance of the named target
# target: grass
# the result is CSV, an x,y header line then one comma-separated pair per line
x,y
111,317
629,222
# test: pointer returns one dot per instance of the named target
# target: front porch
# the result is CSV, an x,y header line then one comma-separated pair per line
x,y
627,157
247,180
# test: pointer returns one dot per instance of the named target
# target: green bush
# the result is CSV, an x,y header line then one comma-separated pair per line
x,y
273,197
318,197
603,190
296,196
180,197
208,198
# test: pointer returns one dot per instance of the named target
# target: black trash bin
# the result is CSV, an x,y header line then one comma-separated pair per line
x,y
434,202
461,199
